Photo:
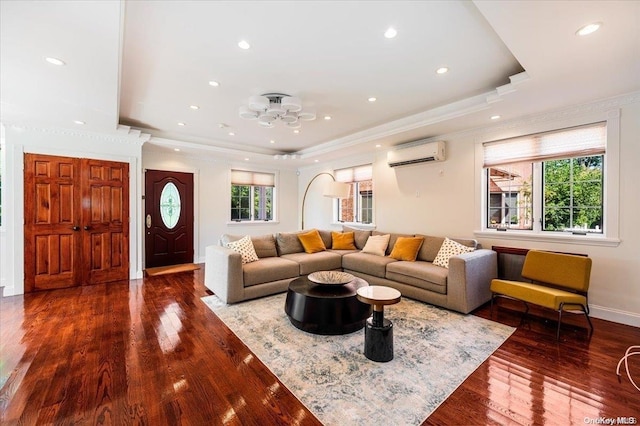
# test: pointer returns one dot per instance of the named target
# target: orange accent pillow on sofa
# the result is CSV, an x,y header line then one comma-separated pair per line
x,y
312,241
343,241
406,248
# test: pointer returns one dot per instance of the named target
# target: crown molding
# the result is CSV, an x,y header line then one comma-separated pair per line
x,y
122,134
609,107
423,119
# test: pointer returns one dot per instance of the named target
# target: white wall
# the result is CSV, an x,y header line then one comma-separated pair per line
x,y
119,146
442,199
212,196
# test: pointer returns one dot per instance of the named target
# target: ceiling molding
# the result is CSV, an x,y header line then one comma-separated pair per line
x,y
423,119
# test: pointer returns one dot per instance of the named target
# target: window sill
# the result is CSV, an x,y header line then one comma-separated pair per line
x,y
356,225
585,240
253,222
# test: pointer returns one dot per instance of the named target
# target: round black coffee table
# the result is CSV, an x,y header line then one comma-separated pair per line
x,y
326,309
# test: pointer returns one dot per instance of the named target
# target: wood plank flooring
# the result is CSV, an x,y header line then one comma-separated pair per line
x,y
150,352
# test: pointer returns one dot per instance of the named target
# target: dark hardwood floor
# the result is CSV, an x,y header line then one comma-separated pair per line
x,y
150,352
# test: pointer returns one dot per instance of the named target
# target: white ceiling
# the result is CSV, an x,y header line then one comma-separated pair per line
x,y
143,63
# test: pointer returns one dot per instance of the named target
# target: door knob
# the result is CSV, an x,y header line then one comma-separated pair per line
x,y
86,228
75,228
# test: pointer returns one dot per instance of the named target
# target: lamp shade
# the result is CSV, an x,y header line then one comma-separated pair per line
x,y
337,190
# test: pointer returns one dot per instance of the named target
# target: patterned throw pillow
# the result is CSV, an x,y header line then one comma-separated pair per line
x,y
244,246
449,248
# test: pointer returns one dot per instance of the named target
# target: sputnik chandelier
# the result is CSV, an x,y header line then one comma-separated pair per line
x,y
271,107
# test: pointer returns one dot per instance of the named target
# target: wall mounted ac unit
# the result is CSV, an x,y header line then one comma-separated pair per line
x,y
433,151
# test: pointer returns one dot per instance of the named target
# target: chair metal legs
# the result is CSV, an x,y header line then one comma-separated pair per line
x,y
585,311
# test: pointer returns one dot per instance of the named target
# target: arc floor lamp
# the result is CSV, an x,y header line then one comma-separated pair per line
x,y
332,189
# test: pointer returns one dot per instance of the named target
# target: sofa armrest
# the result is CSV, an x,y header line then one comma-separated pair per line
x,y
470,276
223,273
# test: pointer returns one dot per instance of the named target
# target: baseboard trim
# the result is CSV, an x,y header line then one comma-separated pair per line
x,y
615,315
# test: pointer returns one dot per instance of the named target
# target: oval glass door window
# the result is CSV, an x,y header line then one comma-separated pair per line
x,y
170,205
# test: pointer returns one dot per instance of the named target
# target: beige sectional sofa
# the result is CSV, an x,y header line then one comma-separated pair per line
x,y
462,287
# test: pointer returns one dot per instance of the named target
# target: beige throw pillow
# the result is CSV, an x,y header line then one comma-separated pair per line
x,y
448,249
244,246
376,244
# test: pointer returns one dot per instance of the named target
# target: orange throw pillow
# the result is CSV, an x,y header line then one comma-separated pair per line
x,y
312,241
343,241
406,248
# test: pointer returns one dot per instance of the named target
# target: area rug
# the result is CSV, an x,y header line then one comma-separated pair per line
x,y
435,350
172,269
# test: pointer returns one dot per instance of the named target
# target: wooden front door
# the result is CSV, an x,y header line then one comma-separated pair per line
x,y
168,218
105,212
76,221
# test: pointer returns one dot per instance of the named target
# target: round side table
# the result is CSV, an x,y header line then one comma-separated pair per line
x,y
378,331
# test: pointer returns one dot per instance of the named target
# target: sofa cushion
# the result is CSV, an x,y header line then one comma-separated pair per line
x,y
406,248
288,242
312,262
326,237
367,263
244,246
311,241
392,239
359,236
269,269
342,241
419,274
376,244
265,246
449,249
430,247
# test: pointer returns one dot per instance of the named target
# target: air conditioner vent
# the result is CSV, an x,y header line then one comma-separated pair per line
x,y
433,151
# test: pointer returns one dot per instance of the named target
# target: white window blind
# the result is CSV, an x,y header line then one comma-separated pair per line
x,y
244,177
355,174
580,141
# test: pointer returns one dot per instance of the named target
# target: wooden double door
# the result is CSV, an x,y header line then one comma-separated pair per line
x,y
76,228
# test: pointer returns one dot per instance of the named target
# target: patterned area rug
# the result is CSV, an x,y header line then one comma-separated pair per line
x,y
435,350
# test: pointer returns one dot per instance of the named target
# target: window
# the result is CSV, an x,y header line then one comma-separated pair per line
x,y
549,182
252,196
358,207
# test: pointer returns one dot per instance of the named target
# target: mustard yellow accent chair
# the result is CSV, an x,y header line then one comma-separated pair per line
x,y
557,281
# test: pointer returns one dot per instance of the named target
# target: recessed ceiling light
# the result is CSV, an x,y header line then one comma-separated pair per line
x,y
442,70
79,122
54,61
176,149
246,159
214,83
181,124
272,141
296,131
243,44
372,99
589,29
194,107
231,134
316,161
327,117
390,33
495,117
378,145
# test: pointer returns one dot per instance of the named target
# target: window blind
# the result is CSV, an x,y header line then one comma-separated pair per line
x,y
244,177
355,174
580,141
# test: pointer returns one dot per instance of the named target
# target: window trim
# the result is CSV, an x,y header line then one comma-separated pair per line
x,y
355,175
611,190
275,200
